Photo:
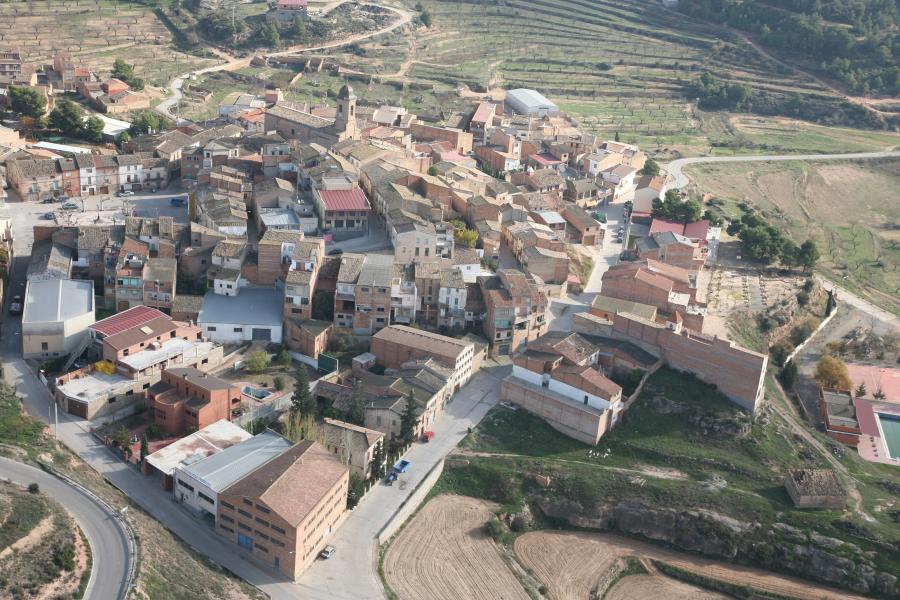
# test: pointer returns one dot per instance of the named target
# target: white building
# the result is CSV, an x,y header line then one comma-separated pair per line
x,y
56,316
197,484
530,103
254,314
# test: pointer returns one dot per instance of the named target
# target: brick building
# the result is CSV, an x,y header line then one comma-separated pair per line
x,y
189,399
284,512
398,344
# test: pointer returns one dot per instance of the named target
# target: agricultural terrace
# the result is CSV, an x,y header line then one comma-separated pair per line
x,y
97,32
681,445
850,209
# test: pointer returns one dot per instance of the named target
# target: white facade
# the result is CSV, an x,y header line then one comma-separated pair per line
x,y
576,395
194,493
235,333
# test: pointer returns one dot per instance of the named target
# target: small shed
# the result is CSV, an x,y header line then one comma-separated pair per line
x,y
815,488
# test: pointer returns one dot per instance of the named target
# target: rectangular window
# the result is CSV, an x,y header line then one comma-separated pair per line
x,y
278,529
238,329
277,543
185,485
226,518
243,512
263,509
205,497
228,529
210,328
244,526
226,505
261,521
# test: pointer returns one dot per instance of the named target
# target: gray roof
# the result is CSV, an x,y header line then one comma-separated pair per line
x,y
275,217
377,270
528,98
54,300
252,306
221,470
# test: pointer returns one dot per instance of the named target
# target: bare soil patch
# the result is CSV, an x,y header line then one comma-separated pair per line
x,y
570,564
655,586
444,553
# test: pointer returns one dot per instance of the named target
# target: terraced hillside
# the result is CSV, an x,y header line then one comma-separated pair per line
x,y
621,64
97,31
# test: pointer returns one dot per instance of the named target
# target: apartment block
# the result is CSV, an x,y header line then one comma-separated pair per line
x,y
396,345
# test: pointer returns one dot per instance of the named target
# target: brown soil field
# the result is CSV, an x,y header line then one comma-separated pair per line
x,y
558,559
654,586
443,553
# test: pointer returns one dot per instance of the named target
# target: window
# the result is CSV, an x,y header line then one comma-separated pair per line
x,y
277,543
185,485
226,518
244,526
263,509
278,529
44,346
261,548
205,497
260,534
227,505
210,328
243,512
112,399
228,529
246,501
364,289
261,521
238,329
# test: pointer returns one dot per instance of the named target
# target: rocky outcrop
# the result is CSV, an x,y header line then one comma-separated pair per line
x,y
780,547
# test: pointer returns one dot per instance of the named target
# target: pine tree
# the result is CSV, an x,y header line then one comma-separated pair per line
x,y
860,390
145,447
302,401
379,461
408,420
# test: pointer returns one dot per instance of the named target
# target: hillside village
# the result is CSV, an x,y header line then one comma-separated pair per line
x,y
398,263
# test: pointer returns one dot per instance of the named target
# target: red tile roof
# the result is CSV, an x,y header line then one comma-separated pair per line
x,y
133,317
483,112
353,199
697,230
545,159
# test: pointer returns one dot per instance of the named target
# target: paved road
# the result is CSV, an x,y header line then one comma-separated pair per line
x,y
166,107
675,168
109,543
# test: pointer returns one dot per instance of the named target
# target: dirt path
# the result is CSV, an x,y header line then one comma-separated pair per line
x,y
548,554
444,554
641,470
651,586
44,527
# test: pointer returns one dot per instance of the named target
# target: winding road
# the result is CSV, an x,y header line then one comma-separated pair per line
x,y
166,106
676,167
105,534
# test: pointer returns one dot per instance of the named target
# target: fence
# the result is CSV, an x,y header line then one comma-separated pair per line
x,y
812,335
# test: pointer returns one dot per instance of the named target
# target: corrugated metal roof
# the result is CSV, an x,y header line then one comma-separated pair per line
x,y
221,470
353,199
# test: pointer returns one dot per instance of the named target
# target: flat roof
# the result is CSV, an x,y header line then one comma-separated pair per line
x,y
220,470
440,345
54,300
172,347
208,441
61,148
252,306
94,385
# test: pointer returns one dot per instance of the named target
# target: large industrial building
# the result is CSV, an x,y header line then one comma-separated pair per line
x,y
530,103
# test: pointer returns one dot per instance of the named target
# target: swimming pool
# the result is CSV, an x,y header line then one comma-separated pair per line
x,y
890,427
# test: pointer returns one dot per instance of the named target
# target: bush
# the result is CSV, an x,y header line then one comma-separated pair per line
x,y
803,298
766,324
495,529
258,361
808,285
279,383
802,331
153,432
780,351
788,375
33,488
284,357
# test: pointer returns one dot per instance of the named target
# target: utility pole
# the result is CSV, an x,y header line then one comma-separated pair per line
x,y
56,420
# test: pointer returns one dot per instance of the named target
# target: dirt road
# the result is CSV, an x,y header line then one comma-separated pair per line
x,y
568,562
444,554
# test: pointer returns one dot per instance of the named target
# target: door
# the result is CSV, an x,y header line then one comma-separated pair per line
x,y
262,335
245,542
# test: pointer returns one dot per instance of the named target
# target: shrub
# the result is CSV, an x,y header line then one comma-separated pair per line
x,y
803,298
33,488
495,529
257,362
780,351
284,357
766,324
153,432
802,331
279,383
808,285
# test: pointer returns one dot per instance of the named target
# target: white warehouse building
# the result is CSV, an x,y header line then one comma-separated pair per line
x,y
530,103
253,315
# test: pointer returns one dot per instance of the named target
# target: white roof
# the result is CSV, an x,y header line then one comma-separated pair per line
x,y
172,347
95,385
61,148
197,446
111,127
551,217
529,98
220,470
55,300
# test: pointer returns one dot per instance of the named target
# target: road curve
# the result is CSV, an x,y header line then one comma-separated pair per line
x,y
165,107
109,543
676,167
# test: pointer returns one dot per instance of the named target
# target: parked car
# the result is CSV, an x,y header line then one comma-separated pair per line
x,y
48,216
125,194
335,252
50,200
69,206
328,551
402,466
178,201
391,478
15,306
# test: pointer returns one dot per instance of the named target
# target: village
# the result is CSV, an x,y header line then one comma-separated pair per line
x,y
283,318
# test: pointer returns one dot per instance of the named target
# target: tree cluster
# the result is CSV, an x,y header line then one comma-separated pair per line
x,y
764,243
714,94
69,120
148,122
674,208
855,41
123,71
463,236
27,102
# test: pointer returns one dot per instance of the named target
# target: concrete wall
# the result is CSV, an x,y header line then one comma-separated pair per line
x,y
225,333
582,423
411,504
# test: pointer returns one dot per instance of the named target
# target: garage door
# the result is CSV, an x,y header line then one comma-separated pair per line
x,y
262,335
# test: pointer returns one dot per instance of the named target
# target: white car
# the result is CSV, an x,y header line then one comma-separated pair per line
x,y
327,552
125,194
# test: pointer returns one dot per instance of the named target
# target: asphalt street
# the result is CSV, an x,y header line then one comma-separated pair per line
x,y
108,542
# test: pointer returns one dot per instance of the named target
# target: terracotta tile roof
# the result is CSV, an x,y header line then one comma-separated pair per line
x,y
353,199
293,484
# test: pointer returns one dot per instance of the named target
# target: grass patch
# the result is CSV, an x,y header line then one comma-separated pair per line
x,y
632,566
743,592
